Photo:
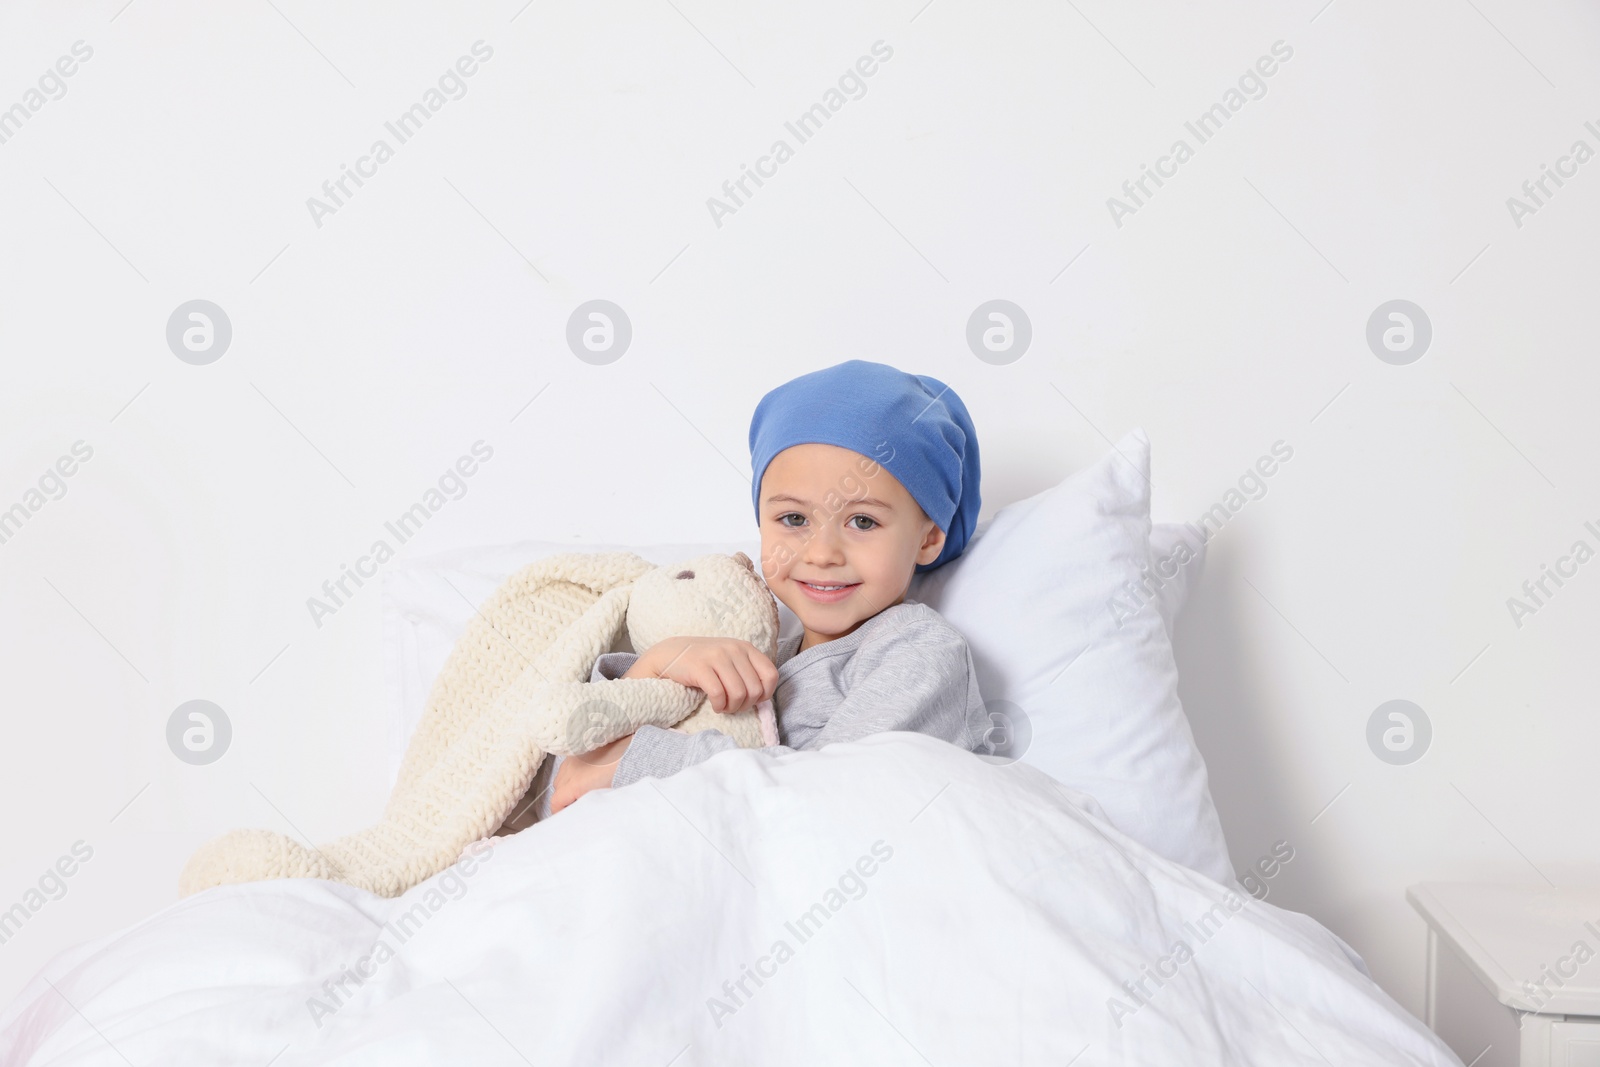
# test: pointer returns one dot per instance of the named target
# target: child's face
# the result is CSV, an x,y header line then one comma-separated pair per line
x,y
831,516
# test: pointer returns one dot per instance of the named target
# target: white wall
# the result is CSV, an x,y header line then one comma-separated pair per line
x,y
369,353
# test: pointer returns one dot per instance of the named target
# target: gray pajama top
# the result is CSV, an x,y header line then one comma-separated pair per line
x,y
904,668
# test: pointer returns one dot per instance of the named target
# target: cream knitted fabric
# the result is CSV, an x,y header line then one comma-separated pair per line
x,y
513,689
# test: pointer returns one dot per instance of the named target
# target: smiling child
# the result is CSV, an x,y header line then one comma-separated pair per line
x,y
864,475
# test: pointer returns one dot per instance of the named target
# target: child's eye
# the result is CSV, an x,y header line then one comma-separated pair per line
x,y
782,521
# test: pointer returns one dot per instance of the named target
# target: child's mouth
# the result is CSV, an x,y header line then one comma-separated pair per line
x,y
827,593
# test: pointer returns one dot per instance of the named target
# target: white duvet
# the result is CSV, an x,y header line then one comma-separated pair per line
x,y
890,901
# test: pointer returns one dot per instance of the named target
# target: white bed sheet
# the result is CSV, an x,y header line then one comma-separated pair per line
x,y
998,924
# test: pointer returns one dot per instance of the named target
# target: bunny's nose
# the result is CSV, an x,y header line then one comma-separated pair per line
x,y
684,574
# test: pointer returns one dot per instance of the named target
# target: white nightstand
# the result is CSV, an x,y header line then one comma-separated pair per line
x,y
1513,972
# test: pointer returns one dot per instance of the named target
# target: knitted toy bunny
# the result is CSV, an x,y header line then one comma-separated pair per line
x,y
514,689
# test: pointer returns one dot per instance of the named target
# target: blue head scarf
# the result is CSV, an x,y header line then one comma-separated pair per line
x,y
912,425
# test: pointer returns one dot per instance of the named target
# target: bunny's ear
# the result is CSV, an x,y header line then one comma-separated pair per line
x,y
603,621
551,600
595,631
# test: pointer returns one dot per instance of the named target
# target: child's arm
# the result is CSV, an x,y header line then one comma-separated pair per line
x,y
734,674
917,678
609,666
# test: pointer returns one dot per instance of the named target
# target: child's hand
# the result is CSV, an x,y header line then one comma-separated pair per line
x,y
579,774
734,674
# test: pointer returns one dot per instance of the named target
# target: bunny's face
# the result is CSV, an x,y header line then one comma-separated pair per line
x,y
708,596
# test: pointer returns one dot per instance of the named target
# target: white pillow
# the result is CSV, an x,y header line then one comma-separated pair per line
x,y
1036,597
1029,592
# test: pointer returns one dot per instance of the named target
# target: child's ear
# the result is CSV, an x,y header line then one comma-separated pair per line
x,y
932,544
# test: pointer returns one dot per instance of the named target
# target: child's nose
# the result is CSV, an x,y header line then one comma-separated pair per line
x,y
824,545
